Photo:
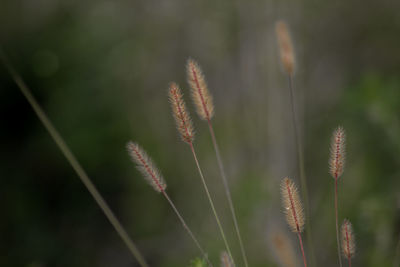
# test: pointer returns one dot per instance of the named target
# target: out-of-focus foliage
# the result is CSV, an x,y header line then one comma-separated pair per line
x,y
101,69
198,263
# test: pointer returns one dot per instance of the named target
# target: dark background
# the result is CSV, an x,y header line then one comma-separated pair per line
x,y
100,69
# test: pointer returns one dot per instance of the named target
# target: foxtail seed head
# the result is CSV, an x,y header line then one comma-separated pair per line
x,y
337,159
200,94
348,242
285,46
292,205
181,115
226,260
146,166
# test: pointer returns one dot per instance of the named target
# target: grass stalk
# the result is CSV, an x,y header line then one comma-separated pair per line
x,y
302,249
337,224
153,176
73,161
187,228
227,191
301,166
211,202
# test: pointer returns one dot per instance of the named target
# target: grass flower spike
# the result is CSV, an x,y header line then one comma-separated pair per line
x,y
285,46
292,205
146,166
200,94
337,160
336,165
348,243
181,115
293,210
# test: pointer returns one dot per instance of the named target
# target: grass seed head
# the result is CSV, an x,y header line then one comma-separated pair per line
x,y
146,166
200,94
292,205
348,242
337,159
180,113
285,46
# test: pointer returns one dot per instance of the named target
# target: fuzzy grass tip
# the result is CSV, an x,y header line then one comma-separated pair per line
x,y
200,94
146,166
285,46
292,205
180,113
348,242
338,156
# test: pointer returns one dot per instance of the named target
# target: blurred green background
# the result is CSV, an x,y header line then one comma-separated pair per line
x,y
100,69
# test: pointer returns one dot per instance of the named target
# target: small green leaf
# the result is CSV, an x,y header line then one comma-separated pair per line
x,y
197,263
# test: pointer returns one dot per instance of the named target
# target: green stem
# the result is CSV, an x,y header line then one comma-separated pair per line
x,y
227,191
301,168
337,224
186,227
211,202
73,161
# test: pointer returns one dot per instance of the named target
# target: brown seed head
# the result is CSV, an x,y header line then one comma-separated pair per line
x,y
200,94
146,166
337,159
285,46
292,205
348,242
283,249
181,115
226,260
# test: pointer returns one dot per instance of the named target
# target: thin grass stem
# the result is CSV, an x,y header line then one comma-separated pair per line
x,y
337,224
73,161
211,202
227,191
186,227
150,172
301,167
302,249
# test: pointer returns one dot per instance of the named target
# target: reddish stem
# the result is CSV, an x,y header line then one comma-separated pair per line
x,y
302,249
